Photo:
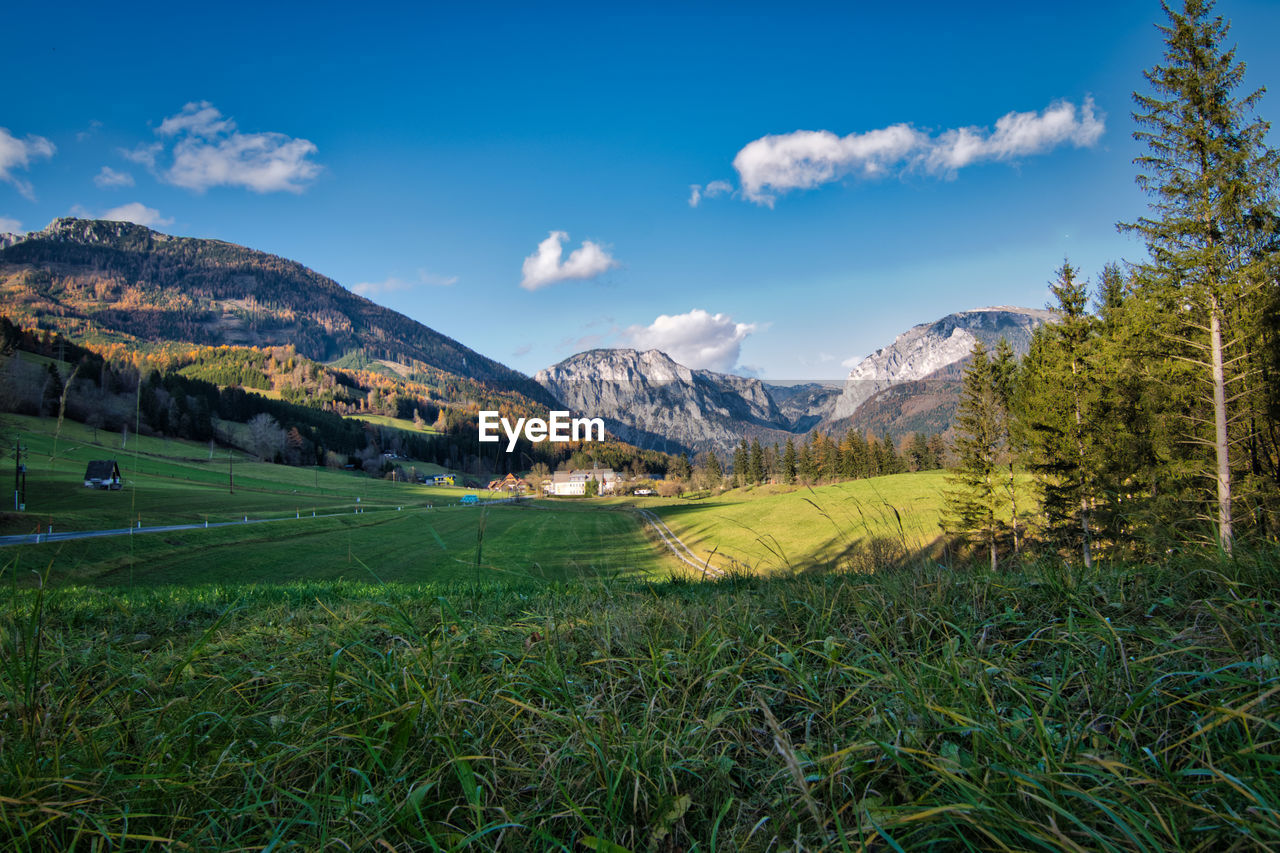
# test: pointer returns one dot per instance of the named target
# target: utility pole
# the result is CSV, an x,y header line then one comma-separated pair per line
x,y
19,477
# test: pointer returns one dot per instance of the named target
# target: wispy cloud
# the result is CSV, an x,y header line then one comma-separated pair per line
x,y
86,135
776,164
697,192
392,284
10,226
545,267
109,178
18,153
696,339
209,151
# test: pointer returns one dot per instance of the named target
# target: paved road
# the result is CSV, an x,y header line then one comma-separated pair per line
x,y
63,536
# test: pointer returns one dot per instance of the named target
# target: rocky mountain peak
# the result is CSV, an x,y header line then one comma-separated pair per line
x,y
925,349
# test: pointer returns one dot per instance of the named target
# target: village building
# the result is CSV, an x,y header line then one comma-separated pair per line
x,y
568,483
102,474
509,483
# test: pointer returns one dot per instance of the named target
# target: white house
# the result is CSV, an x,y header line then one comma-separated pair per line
x,y
575,482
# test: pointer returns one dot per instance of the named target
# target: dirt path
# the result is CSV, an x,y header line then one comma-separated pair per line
x,y
681,550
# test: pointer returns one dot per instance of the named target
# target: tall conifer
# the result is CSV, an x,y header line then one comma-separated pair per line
x,y
1210,177
975,500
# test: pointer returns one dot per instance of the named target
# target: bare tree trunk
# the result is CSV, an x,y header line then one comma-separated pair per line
x,y
1220,446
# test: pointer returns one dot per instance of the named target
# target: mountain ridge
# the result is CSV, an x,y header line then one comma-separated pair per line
x,y
132,281
909,385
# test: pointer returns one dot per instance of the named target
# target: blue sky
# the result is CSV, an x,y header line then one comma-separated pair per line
x,y
436,157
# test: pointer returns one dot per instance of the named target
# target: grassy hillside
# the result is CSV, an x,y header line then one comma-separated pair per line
x,y
774,528
923,708
404,532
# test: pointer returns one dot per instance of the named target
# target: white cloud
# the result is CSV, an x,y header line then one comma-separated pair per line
x,y
202,119
697,192
773,165
208,151
544,266
696,339
143,155
391,284
109,178
10,226
137,213
18,153
1016,135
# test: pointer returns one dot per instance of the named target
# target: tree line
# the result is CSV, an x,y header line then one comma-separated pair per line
x,y
1149,414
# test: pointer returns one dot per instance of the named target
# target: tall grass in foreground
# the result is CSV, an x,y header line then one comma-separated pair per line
x,y
921,708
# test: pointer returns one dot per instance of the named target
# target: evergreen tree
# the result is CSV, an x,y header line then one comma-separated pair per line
x,y
741,457
1212,227
1004,371
892,464
804,463
975,499
1057,411
755,465
918,453
715,473
789,463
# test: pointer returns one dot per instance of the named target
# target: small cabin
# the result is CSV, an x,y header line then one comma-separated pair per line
x,y
102,474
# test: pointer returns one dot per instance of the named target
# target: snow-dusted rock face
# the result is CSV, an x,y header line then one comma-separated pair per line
x,y
648,399
928,348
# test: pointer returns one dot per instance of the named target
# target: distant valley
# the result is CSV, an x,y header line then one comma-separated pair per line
x,y
123,285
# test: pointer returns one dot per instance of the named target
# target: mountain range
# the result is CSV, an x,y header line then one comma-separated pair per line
x,y
910,385
115,282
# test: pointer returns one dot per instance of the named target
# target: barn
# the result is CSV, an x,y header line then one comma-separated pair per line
x,y
102,474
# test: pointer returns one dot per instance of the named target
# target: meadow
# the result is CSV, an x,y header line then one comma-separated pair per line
x,y
401,532
427,676
918,708
790,528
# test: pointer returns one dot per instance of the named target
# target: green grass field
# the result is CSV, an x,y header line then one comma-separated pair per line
x,y
917,708
396,423
173,481
396,537
771,528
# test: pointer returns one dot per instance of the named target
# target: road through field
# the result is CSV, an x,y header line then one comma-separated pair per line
x,y
63,536
677,546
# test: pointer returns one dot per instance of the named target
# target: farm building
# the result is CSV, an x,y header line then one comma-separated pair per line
x,y
575,482
102,474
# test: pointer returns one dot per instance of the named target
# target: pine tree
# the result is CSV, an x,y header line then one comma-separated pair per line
x,y
892,464
918,453
715,473
789,463
1004,370
975,499
1211,179
755,464
1056,408
741,458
